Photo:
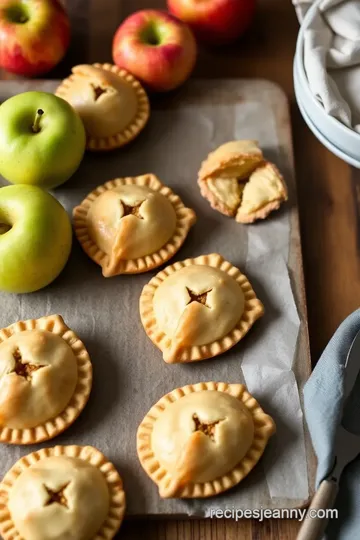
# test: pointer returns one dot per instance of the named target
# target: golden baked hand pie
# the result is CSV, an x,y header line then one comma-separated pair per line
x,y
198,308
110,101
202,439
62,493
45,379
132,225
238,182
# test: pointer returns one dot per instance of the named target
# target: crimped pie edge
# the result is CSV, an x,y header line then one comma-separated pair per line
x,y
264,428
53,427
185,218
253,310
209,168
132,131
265,210
87,453
242,217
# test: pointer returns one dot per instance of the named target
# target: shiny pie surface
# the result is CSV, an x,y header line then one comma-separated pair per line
x,y
198,308
202,439
59,497
45,379
132,225
38,376
61,493
111,103
131,221
198,304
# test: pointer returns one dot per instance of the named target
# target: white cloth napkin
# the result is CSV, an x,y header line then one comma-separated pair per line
x,y
301,7
332,57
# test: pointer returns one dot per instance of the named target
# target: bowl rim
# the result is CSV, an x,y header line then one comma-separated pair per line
x,y
299,60
319,135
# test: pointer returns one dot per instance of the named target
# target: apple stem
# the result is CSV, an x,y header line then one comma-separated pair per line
x,y
36,125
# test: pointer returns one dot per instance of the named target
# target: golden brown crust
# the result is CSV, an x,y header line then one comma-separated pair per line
x,y
88,454
133,129
253,310
264,428
55,426
262,213
214,201
247,152
185,218
239,160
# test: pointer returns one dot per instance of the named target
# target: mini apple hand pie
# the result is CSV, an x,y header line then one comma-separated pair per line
x,y
45,380
202,439
62,493
112,104
198,308
238,182
132,225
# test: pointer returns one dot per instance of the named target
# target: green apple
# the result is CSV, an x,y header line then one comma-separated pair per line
x,y
35,238
42,139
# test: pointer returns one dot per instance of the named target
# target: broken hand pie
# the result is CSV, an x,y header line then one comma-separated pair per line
x,y
132,225
112,104
62,493
238,182
45,380
202,439
198,308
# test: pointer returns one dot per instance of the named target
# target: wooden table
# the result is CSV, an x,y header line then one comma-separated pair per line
x,y
329,200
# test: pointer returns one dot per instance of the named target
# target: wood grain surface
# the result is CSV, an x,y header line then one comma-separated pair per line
x,y
328,192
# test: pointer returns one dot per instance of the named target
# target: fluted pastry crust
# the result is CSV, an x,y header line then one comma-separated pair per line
x,y
198,308
202,439
113,105
132,225
62,490
45,379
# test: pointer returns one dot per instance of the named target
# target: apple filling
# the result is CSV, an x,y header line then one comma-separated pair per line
x,y
22,368
200,298
58,496
245,198
98,91
238,182
207,428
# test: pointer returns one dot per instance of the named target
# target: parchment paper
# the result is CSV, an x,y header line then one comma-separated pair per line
x,y
129,373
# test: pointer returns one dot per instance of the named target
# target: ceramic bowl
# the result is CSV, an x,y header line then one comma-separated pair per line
x,y
320,136
338,136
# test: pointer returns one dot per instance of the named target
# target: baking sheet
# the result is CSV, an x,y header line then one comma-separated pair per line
x,y
129,373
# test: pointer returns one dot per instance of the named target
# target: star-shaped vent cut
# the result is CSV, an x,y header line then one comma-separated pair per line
x,y
57,497
98,91
24,369
207,429
132,210
200,298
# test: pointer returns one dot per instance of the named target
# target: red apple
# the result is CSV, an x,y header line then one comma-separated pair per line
x,y
157,48
215,21
34,35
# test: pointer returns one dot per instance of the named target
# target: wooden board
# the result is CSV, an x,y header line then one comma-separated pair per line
x,y
227,93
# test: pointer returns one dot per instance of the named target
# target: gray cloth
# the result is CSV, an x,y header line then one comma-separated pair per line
x,y
332,58
323,397
301,7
